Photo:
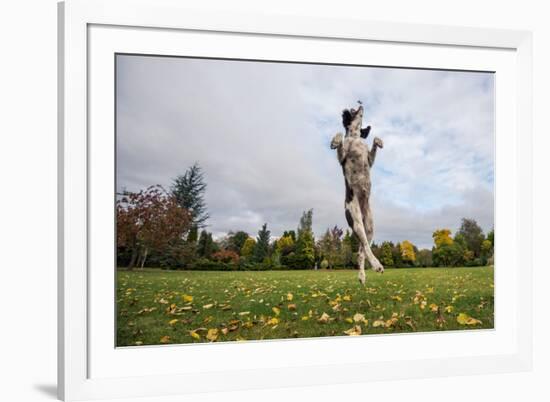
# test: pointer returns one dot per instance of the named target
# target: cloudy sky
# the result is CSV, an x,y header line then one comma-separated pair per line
x,y
261,132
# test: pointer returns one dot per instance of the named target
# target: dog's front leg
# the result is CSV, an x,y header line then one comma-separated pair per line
x,y
377,143
338,144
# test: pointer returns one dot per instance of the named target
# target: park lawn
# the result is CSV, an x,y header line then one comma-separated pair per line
x,y
170,307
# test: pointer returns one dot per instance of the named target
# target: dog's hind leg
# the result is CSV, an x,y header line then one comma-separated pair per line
x,y
354,217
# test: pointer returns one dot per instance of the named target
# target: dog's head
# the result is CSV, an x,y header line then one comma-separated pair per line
x,y
352,119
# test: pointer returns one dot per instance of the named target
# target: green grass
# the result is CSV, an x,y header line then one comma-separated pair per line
x,y
154,307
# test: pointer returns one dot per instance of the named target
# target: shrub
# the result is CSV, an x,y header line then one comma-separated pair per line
x,y
226,256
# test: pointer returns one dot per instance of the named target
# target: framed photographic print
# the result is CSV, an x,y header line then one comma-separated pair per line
x,y
253,201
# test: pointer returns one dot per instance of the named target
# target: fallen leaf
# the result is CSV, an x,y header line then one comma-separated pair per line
x,y
138,343
397,298
434,307
194,335
272,321
379,323
354,331
289,296
244,313
165,339
212,334
187,298
276,310
465,319
207,306
346,298
174,321
358,317
449,309
324,318
291,307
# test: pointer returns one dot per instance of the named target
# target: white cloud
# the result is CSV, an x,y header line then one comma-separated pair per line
x,y
261,132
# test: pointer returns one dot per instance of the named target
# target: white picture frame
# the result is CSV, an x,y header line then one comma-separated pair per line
x,y
90,367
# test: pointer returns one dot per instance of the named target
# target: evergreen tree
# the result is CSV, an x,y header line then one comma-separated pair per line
x,y
206,246
387,255
188,189
261,249
305,243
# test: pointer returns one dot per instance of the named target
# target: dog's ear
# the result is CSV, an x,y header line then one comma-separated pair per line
x,y
346,118
365,132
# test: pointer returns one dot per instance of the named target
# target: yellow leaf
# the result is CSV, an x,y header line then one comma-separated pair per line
x,y
305,318
397,298
379,323
291,307
350,320
207,306
346,298
165,339
187,298
276,310
358,317
172,322
465,319
194,335
162,301
449,309
324,318
272,321
244,313
434,307
354,331
289,296
212,334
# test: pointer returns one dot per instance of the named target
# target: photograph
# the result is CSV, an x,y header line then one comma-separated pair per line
x,y
265,200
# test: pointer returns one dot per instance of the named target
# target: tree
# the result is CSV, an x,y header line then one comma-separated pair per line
x,y
285,244
291,234
248,247
491,237
235,241
148,221
330,246
424,258
305,243
396,255
407,252
472,234
188,189
261,249
442,237
206,245
387,255
448,255
348,255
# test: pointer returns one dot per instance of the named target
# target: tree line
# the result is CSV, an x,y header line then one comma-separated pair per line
x,y
168,229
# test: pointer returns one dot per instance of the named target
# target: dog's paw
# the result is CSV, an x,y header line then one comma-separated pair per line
x,y
336,141
362,277
378,142
378,267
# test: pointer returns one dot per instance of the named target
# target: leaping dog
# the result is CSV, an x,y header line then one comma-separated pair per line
x,y
356,160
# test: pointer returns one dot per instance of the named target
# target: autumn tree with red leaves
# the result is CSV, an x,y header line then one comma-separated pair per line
x,y
149,220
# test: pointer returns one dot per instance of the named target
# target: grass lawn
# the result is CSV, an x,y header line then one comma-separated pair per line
x,y
160,307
